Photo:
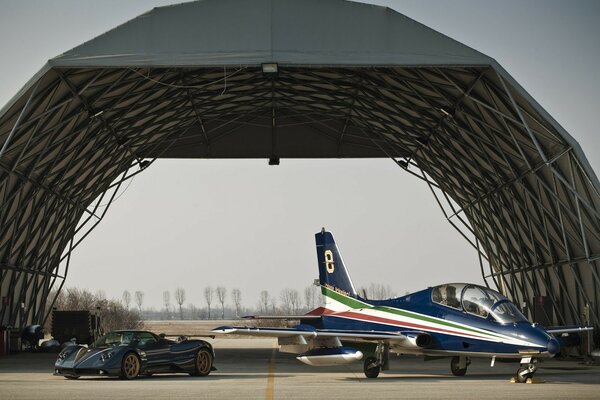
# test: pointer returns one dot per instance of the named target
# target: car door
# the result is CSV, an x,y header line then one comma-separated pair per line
x,y
156,350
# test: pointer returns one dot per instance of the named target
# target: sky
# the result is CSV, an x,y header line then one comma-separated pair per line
x,y
242,224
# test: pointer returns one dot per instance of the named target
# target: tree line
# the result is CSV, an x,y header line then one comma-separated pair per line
x,y
113,313
122,314
221,303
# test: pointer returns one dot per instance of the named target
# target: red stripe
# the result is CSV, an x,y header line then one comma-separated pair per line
x,y
354,315
320,311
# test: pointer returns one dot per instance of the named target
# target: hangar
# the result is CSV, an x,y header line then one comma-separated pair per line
x,y
277,79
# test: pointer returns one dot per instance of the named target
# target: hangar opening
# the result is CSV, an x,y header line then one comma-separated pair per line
x,y
297,79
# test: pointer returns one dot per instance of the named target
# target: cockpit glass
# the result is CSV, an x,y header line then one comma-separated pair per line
x,y
448,295
506,312
479,300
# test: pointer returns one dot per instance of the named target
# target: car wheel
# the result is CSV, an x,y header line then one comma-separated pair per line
x,y
130,366
204,362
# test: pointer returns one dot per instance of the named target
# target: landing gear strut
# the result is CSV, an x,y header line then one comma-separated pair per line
x,y
459,364
526,370
373,365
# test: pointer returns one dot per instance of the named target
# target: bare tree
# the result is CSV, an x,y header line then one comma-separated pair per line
x,y
377,291
180,299
126,299
294,301
77,299
311,295
112,312
193,311
264,301
290,300
221,294
139,299
236,295
167,301
209,294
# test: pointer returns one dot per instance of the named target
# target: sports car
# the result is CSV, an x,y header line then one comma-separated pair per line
x,y
128,354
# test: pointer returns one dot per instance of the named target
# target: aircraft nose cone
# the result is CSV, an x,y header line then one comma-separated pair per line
x,y
553,346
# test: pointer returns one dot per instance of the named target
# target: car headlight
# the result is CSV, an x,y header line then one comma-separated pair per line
x,y
106,356
62,355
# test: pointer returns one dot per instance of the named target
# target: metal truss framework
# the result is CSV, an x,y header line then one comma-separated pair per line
x,y
502,174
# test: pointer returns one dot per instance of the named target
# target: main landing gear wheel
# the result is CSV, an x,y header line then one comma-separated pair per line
x,y
131,366
371,367
458,366
204,362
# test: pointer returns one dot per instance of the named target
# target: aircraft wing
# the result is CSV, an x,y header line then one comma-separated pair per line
x,y
317,313
317,333
553,330
285,317
267,332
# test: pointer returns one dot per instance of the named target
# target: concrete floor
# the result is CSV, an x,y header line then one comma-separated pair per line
x,y
252,369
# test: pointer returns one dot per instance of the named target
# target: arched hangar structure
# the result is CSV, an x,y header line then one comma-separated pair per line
x,y
297,79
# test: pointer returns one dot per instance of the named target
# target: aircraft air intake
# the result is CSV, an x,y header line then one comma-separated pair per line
x,y
420,340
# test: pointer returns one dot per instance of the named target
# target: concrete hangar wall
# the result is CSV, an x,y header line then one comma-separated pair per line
x,y
305,79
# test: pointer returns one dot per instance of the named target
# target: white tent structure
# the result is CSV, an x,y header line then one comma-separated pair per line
x,y
297,79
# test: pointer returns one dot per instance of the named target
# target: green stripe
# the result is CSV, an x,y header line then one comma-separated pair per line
x,y
354,303
431,320
348,301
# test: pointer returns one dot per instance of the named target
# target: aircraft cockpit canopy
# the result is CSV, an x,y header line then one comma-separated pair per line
x,y
477,300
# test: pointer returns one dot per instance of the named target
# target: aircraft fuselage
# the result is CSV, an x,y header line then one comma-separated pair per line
x,y
452,330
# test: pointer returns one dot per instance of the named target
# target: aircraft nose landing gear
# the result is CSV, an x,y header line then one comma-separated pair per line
x,y
527,369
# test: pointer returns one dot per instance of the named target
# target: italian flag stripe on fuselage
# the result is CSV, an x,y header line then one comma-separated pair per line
x,y
344,306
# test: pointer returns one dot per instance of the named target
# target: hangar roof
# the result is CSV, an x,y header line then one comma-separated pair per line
x,y
235,32
353,80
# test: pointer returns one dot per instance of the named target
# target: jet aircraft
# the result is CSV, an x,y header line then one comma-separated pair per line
x,y
456,320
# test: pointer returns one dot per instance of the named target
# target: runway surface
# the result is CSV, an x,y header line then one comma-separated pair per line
x,y
253,369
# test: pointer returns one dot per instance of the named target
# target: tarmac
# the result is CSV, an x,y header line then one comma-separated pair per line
x,y
254,369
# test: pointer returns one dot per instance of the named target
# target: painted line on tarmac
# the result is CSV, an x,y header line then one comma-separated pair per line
x,y
271,374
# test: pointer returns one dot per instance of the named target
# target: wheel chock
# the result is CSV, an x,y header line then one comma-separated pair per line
x,y
535,380
529,380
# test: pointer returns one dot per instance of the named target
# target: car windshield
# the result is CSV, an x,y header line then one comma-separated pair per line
x,y
114,339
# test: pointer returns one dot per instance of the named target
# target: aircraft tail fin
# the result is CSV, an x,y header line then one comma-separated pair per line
x,y
334,279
